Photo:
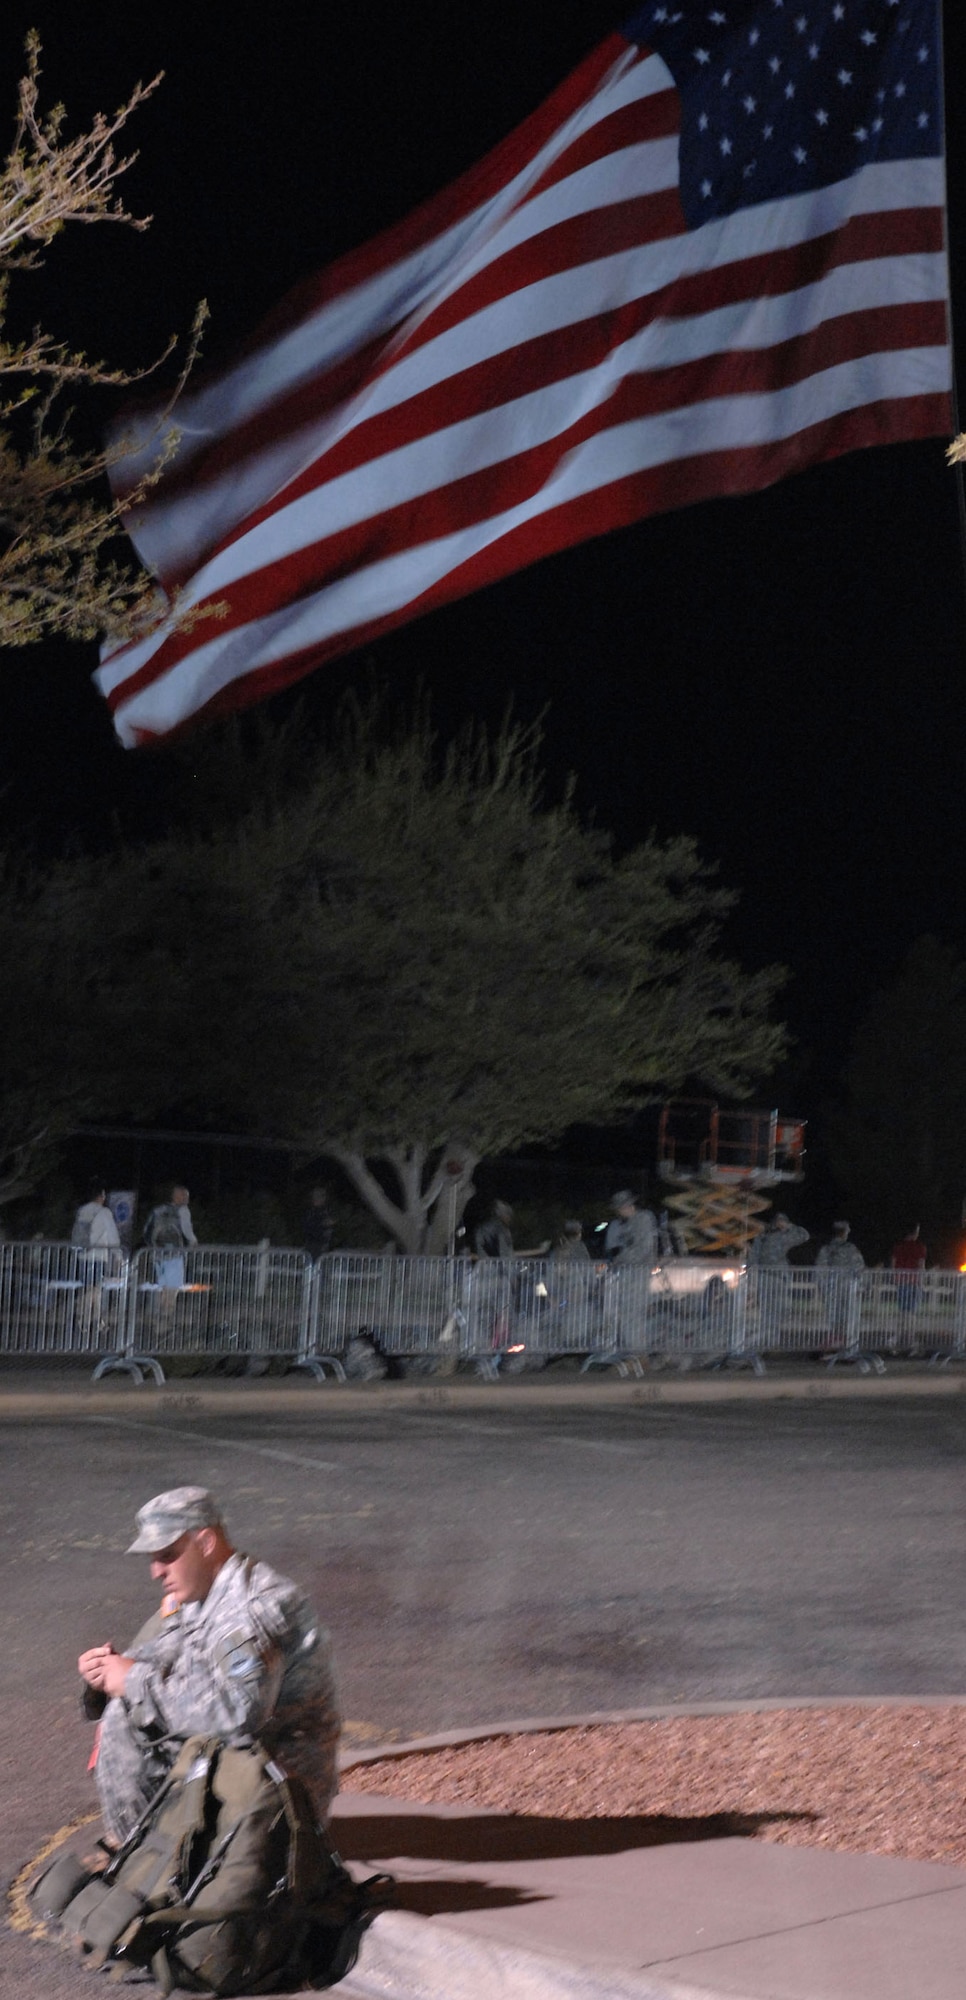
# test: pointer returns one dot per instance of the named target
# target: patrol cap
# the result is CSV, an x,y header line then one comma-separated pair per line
x,y
623,1198
161,1520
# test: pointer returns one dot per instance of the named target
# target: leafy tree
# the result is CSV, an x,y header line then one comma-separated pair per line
x,y
58,523
897,1139
413,960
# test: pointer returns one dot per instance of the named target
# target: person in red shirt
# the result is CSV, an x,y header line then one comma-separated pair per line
x,y
909,1257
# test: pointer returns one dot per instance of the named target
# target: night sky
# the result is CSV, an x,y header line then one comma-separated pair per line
x,y
780,676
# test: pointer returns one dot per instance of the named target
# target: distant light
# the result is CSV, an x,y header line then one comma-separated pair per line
x,y
517,1348
598,1226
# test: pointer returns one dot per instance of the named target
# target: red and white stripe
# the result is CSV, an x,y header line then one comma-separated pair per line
x,y
540,354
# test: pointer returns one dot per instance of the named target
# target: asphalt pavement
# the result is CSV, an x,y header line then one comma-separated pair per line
x,y
476,1560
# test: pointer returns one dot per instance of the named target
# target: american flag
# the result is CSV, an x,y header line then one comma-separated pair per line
x,y
714,256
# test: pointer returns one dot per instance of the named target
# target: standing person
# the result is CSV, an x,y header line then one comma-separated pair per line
x,y
170,1232
94,1225
498,1294
909,1254
630,1247
573,1284
909,1259
840,1260
95,1235
317,1225
769,1251
493,1240
237,1652
570,1246
631,1236
839,1254
493,1237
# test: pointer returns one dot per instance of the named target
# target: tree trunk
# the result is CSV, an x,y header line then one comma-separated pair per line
x,y
405,1224
456,1190
423,1219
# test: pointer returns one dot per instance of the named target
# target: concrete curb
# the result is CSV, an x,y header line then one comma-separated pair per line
x,y
78,1397
452,1739
404,1958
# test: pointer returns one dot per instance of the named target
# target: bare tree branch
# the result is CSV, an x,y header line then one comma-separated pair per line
x,y
64,565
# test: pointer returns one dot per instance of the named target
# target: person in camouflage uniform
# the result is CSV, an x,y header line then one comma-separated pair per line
x,y
237,1651
769,1251
840,1254
838,1261
630,1240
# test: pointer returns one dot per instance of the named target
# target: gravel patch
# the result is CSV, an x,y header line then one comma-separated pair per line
x,y
869,1780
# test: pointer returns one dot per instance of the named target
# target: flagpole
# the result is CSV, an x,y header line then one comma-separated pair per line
x,y
959,470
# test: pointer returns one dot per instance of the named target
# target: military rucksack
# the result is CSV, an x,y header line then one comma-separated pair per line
x,y
226,1885
163,1228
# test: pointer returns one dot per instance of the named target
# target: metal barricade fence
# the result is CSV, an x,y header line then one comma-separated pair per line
x,y
696,1318
256,1301
531,1308
913,1313
809,1310
407,1306
525,1308
219,1299
55,1299
455,1308
794,1312
351,1295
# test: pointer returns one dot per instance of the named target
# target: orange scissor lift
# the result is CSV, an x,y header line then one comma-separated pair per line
x,y
717,1163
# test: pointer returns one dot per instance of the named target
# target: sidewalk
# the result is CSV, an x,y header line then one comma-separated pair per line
x,y
52,1393
492,1905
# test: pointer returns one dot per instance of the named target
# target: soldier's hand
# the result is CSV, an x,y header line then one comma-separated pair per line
x,y
114,1673
90,1664
103,1667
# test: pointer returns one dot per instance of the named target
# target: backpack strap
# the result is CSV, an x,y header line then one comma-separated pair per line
x,y
305,1847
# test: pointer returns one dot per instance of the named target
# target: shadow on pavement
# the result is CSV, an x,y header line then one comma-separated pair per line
x,y
519,1837
454,1896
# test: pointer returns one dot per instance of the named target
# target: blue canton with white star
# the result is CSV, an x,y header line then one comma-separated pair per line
x,y
782,96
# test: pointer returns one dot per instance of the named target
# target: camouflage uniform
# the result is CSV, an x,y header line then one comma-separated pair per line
x,y
631,1239
250,1661
840,1255
769,1251
838,1261
628,1240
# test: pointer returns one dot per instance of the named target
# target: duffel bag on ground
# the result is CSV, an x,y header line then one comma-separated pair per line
x,y
226,1885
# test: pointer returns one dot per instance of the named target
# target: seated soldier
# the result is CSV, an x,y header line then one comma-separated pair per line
x,y
236,1652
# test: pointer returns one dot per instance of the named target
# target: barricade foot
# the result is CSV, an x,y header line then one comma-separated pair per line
x,y
130,1364
316,1365
625,1364
866,1364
